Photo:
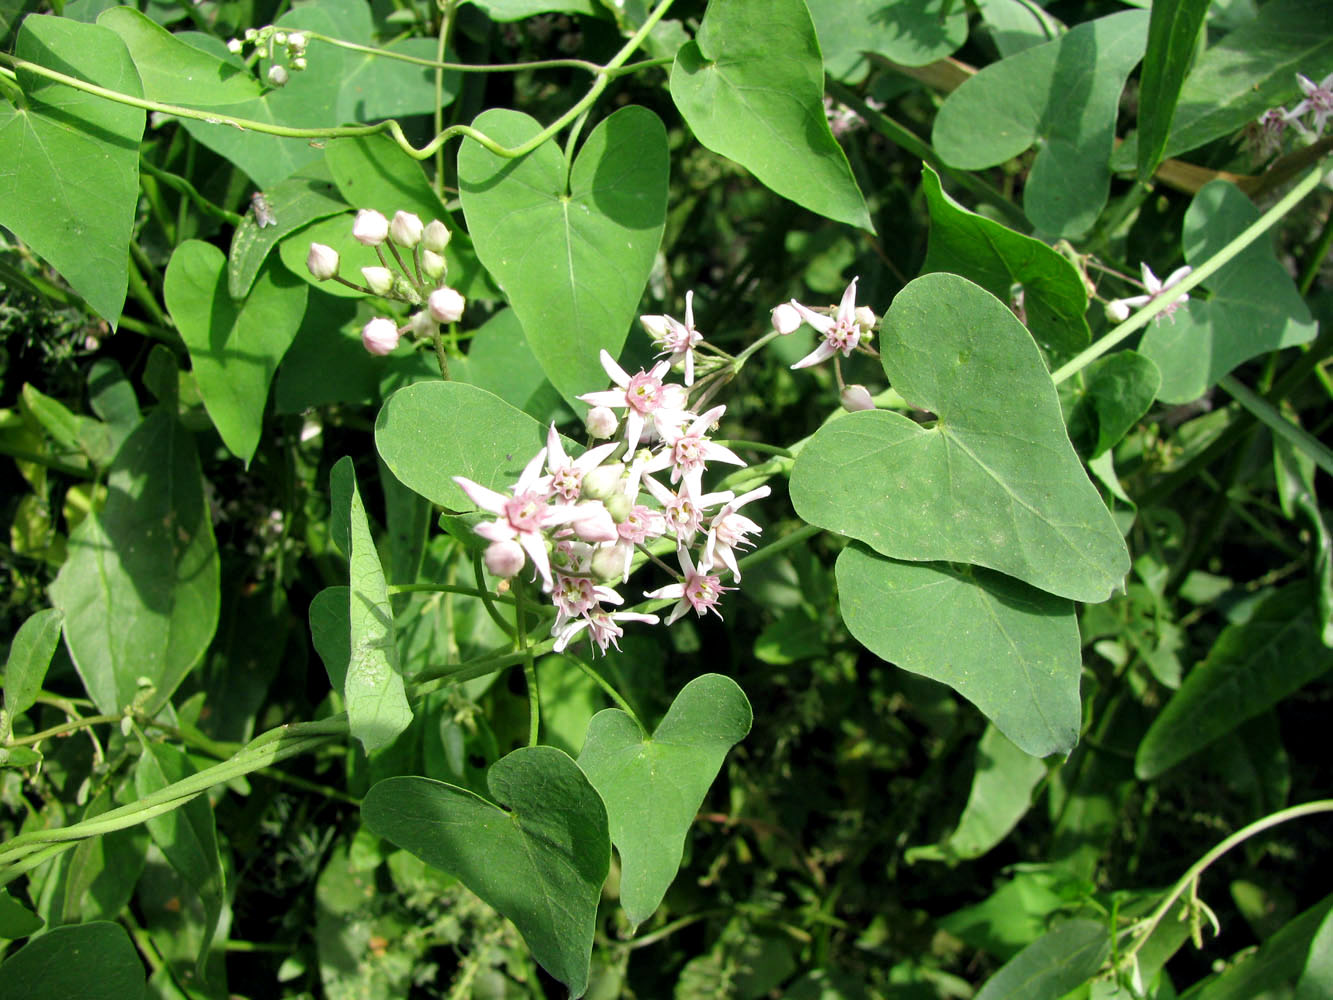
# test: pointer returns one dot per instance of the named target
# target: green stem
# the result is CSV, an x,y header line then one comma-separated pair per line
x,y
65,727
180,184
447,8
529,662
781,545
583,64
486,599
1196,277
1317,256
1268,415
606,686
445,588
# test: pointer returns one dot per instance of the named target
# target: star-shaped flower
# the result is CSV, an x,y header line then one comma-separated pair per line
x,y
841,331
643,397
676,338
1318,101
697,589
1119,309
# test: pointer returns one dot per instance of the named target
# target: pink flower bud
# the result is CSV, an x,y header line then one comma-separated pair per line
x,y
608,561
422,325
856,397
378,279
436,236
503,559
370,227
786,319
406,229
433,264
601,422
592,523
445,305
322,261
619,507
379,336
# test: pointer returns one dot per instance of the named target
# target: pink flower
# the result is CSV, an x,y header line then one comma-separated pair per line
x,y
643,396
688,450
728,530
380,336
1318,99
567,473
602,627
524,517
576,595
684,510
676,338
697,590
841,332
1119,309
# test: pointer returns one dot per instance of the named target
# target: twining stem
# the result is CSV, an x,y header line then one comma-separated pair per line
x,y
1196,277
529,662
606,686
447,8
781,545
1144,929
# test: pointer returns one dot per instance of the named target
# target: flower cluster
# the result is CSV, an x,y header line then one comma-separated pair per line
x,y
1263,137
420,284
1118,310
267,42
581,522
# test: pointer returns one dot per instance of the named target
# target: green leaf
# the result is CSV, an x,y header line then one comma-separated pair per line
x,y
429,432
1011,650
186,835
1062,95
1001,795
653,785
234,347
174,71
295,203
1173,32
377,708
517,10
1116,392
70,184
1294,471
72,432
1245,73
1064,958
1317,977
992,483
1250,668
1015,25
1255,307
30,653
1278,960
16,920
751,88
997,258
371,171
376,87
541,860
86,960
909,32
331,632
140,589
572,253
499,361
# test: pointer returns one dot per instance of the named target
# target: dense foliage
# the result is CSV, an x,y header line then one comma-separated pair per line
x,y
524,498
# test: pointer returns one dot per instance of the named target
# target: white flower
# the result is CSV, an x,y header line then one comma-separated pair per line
x,y
1318,99
379,336
1156,289
644,398
786,319
445,305
684,510
728,530
602,627
675,338
567,473
687,450
841,332
697,590
322,261
856,397
504,558
370,228
277,75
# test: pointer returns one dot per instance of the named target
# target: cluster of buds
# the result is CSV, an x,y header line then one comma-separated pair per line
x,y
420,284
267,42
844,328
581,522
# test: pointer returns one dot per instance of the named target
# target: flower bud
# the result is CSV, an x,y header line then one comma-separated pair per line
x,y
786,319
379,336
299,63
234,46
406,229
601,422
296,40
619,507
592,523
370,228
856,397
378,279
603,482
251,34
865,318
277,75
655,327
280,37
504,559
436,236
322,261
1117,311
433,264
608,561
445,305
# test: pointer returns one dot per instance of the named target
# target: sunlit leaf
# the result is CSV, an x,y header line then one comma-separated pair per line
x,y
85,960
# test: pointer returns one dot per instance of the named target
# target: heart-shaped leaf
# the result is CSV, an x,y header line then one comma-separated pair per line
x,y
429,432
234,347
1254,308
653,785
995,482
1116,391
997,258
1008,648
540,861
751,87
573,252
1064,93
71,178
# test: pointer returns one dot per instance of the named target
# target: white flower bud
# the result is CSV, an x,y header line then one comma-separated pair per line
x,y
296,40
370,228
277,75
378,279
379,336
445,305
608,561
601,422
299,63
1117,311
280,37
436,236
603,482
593,523
322,261
865,318
405,229
422,325
786,319
234,46
655,327
856,397
504,559
433,264
251,34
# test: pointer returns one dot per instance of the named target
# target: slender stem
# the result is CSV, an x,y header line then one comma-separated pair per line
x,y
759,446
1200,274
606,686
781,545
447,8
583,64
1268,415
529,663
180,184
441,358
445,588
65,727
1317,256
487,602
